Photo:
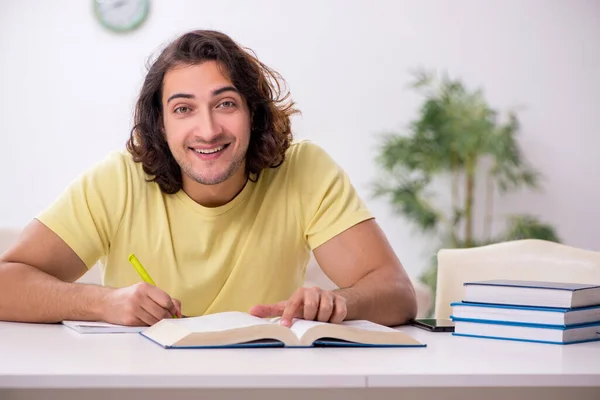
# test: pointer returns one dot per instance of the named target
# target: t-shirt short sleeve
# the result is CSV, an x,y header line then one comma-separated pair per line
x,y
87,214
329,203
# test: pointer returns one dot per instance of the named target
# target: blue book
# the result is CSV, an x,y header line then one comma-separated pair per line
x,y
528,315
554,334
533,293
238,329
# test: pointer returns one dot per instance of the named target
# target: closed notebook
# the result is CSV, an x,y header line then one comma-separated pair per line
x,y
554,334
238,329
86,327
523,314
532,293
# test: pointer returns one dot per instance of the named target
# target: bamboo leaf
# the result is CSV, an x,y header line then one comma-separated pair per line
x,y
529,227
408,200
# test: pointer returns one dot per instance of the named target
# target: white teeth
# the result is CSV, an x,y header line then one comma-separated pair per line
x,y
209,151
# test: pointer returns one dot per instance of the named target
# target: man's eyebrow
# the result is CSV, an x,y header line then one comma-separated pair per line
x,y
181,96
224,89
215,92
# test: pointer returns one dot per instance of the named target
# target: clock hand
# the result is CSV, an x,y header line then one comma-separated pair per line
x,y
118,4
112,3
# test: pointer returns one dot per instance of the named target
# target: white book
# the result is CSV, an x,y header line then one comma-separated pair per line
x,y
528,315
101,327
528,332
533,293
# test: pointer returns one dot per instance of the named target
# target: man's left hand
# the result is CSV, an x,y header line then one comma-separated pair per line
x,y
314,304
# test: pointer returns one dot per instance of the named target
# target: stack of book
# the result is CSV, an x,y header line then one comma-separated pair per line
x,y
547,312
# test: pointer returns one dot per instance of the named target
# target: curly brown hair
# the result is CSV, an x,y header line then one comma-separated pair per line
x,y
260,86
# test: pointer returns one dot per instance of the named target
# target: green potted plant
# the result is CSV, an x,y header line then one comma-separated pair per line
x,y
455,141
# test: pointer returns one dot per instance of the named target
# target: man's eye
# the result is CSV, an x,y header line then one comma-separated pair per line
x,y
182,110
227,104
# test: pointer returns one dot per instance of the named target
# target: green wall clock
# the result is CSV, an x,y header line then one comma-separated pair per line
x,y
121,15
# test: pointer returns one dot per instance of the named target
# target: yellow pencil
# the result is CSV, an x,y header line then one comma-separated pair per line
x,y
142,272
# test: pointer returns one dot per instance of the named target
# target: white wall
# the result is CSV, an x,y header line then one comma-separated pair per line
x,y
68,87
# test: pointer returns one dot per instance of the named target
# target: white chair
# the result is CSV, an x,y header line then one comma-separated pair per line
x,y
528,259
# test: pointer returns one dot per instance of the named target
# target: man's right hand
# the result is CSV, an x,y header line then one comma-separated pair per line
x,y
37,275
139,304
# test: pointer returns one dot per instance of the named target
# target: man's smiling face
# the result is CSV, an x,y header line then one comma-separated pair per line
x,y
206,121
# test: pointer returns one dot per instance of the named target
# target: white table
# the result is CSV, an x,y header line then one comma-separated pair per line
x,y
52,361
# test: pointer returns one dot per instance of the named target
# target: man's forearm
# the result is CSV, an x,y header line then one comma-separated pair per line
x,y
382,296
30,295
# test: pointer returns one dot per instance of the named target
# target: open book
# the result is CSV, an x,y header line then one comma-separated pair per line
x,y
238,329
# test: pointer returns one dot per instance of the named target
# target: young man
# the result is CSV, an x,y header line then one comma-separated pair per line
x,y
218,204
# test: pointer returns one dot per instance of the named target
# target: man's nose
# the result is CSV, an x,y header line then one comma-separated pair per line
x,y
207,128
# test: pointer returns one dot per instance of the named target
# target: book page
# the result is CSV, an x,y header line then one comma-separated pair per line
x,y
368,326
219,322
301,326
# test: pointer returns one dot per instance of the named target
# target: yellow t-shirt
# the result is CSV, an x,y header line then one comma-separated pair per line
x,y
252,250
